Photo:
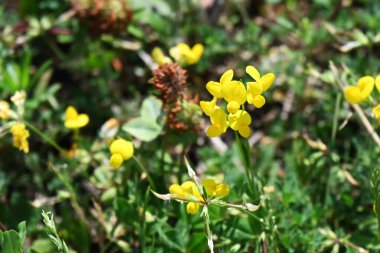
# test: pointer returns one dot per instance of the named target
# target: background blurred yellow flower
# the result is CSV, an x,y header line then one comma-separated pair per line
x,y
20,136
73,120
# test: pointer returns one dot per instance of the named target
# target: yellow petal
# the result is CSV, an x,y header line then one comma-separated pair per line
x,y
234,91
377,82
209,185
123,148
244,131
81,121
366,85
208,107
116,160
376,111
159,57
258,101
214,131
192,208
71,113
239,119
254,88
215,89
177,190
227,77
233,107
219,117
196,53
191,188
253,72
267,80
222,190
4,110
353,95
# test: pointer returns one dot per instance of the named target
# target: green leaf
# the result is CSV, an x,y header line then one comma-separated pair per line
x,y
11,242
143,129
22,231
43,246
151,108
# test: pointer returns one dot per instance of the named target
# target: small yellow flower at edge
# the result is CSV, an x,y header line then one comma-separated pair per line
x,y
121,150
4,110
376,112
73,120
20,136
377,82
360,92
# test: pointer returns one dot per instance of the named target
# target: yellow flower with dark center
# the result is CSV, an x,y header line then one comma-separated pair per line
x,y
183,54
73,120
4,110
159,57
20,136
240,122
121,150
219,123
360,92
235,94
215,88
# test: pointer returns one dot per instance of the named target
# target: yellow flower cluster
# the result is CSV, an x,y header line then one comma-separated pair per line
x,y
235,93
189,191
20,136
73,120
121,150
181,53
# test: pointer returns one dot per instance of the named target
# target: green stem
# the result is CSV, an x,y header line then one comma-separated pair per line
x,y
246,160
44,137
144,170
208,230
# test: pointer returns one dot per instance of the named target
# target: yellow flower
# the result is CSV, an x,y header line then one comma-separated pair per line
x,y
235,94
376,111
121,150
20,135
189,190
219,123
192,207
208,107
360,92
159,57
74,120
214,189
265,80
377,82
254,97
240,122
4,110
215,88
183,54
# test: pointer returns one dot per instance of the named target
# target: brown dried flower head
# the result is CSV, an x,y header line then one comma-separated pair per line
x,y
104,16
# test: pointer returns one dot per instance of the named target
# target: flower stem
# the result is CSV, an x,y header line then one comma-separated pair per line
x,y
245,154
144,170
44,137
